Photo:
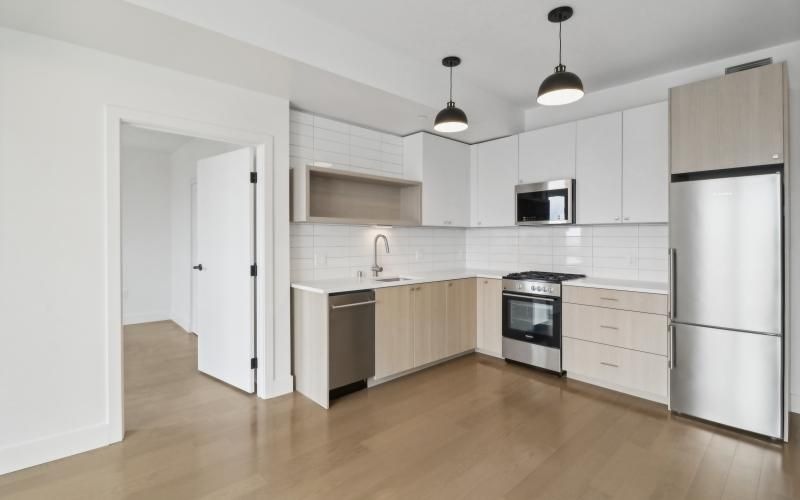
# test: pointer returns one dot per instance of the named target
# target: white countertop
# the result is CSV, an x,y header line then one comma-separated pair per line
x,y
626,285
351,284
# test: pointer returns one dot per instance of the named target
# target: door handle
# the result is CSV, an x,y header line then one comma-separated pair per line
x,y
671,346
199,267
671,284
355,304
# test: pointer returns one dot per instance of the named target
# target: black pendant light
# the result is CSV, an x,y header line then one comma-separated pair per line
x,y
451,118
562,87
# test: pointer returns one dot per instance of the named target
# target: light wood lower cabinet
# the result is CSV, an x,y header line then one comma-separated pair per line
x,y
394,330
461,316
490,316
639,373
629,329
617,339
430,337
419,324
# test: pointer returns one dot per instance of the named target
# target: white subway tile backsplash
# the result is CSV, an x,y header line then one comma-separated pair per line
x,y
321,251
628,251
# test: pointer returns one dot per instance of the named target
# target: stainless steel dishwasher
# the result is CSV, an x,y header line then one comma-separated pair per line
x,y
351,341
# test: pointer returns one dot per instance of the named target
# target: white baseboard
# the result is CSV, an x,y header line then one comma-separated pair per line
x,y
47,449
145,317
794,403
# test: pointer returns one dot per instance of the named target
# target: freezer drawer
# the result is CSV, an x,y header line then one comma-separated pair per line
x,y
732,378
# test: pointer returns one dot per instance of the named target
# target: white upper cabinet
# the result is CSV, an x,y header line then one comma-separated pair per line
x,y
443,166
645,163
547,154
598,169
496,176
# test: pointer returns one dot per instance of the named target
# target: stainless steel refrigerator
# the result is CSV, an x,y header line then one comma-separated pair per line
x,y
726,300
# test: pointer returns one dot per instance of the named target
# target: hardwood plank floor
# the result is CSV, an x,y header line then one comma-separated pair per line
x,y
475,428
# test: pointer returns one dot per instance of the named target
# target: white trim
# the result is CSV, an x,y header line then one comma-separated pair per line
x,y
268,383
794,403
145,317
38,451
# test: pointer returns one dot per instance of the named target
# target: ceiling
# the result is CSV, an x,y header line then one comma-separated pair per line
x,y
508,47
377,63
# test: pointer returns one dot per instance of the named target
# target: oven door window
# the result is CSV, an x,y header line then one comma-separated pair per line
x,y
543,206
533,320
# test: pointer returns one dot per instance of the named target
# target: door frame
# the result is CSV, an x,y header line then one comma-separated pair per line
x,y
263,144
193,257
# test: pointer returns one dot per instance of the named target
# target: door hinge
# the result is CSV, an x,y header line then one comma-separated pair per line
x,y
253,270
253,363
253,177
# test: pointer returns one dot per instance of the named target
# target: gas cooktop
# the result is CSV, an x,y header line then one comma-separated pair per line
x,y
543,276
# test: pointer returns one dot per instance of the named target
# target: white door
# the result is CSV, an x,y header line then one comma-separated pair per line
x,y
194,275
226,305
598,170
547,154
645,163
497,176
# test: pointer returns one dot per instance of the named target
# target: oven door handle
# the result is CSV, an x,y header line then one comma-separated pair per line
x,y
531,297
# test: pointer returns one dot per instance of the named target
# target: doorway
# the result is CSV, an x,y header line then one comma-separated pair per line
x,y
188,251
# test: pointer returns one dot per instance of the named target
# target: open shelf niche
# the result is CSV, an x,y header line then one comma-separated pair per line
x,y
327,195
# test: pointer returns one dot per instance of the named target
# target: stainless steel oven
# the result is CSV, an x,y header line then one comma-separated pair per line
x,y
532,318
551,202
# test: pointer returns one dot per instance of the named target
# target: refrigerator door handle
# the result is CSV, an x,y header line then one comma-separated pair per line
x,y
671,346
671,284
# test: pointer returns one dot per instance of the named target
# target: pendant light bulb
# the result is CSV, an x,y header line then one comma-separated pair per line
x,y
451,119
562,87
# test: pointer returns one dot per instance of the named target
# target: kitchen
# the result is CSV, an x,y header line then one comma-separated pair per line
x,y
481,250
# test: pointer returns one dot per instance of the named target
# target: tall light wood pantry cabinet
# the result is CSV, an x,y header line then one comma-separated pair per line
x,y
735,120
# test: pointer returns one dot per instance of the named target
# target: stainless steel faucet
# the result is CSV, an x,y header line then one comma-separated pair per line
x,y
375,267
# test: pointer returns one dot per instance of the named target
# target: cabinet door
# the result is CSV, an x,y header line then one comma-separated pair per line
x,y
547,154
497,176
645,163
430,337
490,316
394,339
599,170
751,117
694,126
445,182
460,320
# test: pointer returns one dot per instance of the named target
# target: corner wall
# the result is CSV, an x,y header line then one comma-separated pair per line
x,y
53,231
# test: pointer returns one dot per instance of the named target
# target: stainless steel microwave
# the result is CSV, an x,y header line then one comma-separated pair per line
x,y
551,202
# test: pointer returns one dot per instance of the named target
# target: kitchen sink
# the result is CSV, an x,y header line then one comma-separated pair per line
x,y
388,280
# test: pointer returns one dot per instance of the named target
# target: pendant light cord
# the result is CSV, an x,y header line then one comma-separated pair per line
x,y
559,43
451,84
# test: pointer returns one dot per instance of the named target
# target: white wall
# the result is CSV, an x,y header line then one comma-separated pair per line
x,y
325,251
53,223
183,172
145,206
656,89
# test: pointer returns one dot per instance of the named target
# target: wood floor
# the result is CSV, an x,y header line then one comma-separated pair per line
x,y
475,428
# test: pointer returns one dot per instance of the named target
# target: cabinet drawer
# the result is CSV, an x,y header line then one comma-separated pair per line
x,y
654,303
638,373
632,330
